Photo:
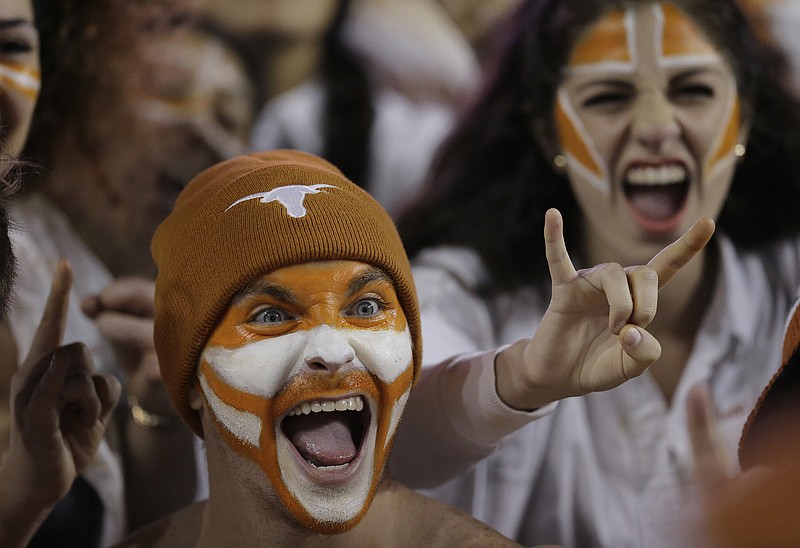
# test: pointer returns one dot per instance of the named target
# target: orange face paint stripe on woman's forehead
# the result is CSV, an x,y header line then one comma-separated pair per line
x,y
681,36
607,42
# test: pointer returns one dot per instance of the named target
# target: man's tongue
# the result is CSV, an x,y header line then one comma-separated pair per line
x,y
657,203
321,438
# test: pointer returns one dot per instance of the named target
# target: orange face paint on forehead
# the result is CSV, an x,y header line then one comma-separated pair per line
x,y
680,36
606,41
313,294
613,38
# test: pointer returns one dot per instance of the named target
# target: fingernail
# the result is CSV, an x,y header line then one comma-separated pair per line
x,y
632,337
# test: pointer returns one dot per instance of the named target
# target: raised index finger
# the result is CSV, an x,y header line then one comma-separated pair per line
x,y
54,318
561,268
672,258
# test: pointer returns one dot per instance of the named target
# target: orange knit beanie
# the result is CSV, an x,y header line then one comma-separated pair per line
x,y
246,217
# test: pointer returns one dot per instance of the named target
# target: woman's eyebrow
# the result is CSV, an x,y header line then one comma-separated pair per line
x,y
8,23
370,276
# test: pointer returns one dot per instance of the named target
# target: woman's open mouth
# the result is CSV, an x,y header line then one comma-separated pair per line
x,y
656,195
328,434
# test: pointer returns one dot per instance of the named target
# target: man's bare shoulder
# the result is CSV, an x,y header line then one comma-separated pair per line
x,y
178,530
415,519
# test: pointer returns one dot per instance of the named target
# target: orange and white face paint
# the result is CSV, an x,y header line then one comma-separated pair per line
x,y
646,100
307,375
19,73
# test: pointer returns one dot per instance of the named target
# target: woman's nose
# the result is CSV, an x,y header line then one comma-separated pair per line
x,y
653,120
328,349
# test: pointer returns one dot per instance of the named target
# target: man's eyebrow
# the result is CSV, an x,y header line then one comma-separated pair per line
x,y
260,287
370,276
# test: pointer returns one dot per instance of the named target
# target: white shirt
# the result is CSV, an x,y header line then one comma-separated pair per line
x,y
608,469
41,238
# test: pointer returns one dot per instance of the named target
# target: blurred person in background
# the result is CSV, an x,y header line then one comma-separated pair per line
x,y
370,85
132,105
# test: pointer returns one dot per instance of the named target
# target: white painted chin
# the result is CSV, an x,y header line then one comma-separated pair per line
x,y
330,494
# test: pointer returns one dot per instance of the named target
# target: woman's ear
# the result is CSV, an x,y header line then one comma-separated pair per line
x,y
745,123
544,135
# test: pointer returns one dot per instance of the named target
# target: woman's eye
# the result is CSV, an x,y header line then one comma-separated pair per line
x,y
14,47
366,308
271,316
605,99
694,91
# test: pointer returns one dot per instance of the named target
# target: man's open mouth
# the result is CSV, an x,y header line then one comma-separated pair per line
x,y
328,432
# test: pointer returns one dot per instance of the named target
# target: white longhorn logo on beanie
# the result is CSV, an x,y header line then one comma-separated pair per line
x,y
290,196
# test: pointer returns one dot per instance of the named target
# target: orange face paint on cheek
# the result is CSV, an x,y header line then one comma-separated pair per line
x,y
729,136
573,143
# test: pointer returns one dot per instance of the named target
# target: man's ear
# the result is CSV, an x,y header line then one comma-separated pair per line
x,y
195,399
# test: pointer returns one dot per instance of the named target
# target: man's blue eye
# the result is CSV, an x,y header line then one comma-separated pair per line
x,y
271,315
367,308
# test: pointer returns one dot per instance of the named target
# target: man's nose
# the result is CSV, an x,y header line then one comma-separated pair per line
x,y
328,349
654,122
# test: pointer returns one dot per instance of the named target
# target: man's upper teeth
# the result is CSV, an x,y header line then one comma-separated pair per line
x,y
326,406
656,175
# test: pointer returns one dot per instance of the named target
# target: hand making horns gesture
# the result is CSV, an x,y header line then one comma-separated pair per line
x,y
592,336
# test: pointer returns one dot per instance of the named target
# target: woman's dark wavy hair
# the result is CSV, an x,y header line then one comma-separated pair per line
x,y
492,182
349,111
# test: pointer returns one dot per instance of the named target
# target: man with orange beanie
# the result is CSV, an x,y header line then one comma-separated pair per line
x,y
288,337
759,506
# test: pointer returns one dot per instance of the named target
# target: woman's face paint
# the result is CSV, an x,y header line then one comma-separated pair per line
x,y
19,73
307,374
647,115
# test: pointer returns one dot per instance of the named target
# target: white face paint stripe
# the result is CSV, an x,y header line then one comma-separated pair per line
x,y
262,368
397,412
630,35
259,368
601,182
658,34
386,353
679,61
605,66
245,426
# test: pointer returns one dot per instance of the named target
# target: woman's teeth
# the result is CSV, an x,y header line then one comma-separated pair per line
x,y
656,175
326,406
